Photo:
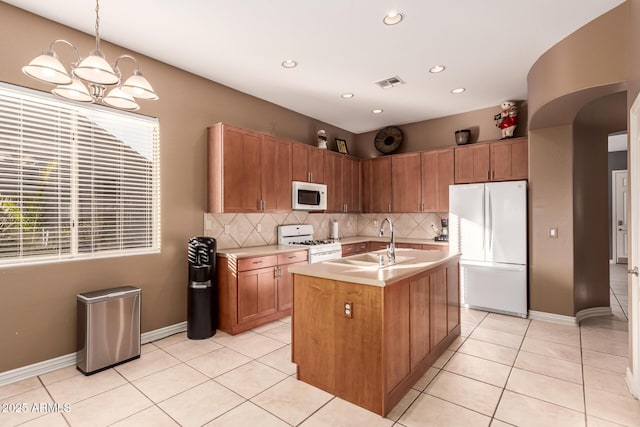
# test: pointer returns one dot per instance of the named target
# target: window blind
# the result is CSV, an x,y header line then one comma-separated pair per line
x,y
75,181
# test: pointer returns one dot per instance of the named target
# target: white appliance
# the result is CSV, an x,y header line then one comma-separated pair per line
x,y
302,235
308,196
488,225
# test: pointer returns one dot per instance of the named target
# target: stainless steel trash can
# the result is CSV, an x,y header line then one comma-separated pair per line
x,y
108,328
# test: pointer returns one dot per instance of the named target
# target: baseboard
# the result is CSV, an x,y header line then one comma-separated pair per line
x,y
50,365
592,312
631,384
552,317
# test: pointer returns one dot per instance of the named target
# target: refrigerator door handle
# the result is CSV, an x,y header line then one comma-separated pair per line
x,y
490,223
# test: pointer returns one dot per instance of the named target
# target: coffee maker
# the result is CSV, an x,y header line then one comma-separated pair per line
x,y
444,231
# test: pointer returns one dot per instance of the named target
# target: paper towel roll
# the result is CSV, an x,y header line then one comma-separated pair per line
x,y
334,230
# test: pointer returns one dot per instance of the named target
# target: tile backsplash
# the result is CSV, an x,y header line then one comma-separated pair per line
x,y
257,229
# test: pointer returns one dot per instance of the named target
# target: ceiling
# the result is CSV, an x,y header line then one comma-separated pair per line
x,y
342,46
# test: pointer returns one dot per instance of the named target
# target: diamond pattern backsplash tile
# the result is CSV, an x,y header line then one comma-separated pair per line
x,y
242,229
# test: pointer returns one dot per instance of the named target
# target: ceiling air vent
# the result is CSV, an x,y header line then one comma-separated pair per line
x,y
390,82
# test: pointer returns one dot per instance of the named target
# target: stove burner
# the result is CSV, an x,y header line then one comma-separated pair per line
x,y
312,242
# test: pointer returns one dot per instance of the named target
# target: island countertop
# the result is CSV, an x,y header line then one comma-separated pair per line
x,y
411,262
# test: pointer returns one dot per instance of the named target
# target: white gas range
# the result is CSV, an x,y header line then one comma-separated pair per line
x,y
302,235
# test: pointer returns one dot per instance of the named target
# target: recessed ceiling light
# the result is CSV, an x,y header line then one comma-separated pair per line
x,y
458,90
393,18
347,95
437,69
377,111
289,63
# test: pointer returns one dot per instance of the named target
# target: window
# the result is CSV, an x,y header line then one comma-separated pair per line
x,y
76,181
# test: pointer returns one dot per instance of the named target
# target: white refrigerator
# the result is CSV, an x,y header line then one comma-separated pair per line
x,y
488,225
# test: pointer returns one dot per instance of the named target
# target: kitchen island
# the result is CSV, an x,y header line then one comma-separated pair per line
x,y
368,333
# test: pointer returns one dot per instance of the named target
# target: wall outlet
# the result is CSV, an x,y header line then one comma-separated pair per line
x,y
375,222
553,232
348,309
227,229
259,228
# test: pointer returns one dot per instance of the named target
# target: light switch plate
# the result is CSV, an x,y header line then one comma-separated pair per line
x,y
227,229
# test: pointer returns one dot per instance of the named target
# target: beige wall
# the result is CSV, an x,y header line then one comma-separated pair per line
x,y
38,303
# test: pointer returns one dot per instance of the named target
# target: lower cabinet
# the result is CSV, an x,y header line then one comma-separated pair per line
x,y
374,353
355,248
254,291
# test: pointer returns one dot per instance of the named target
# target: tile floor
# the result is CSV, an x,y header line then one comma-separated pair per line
x,y
501,371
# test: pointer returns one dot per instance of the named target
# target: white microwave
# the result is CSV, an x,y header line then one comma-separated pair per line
x,y
308,196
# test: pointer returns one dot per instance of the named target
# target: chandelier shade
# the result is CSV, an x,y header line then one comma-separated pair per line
x,y
90,76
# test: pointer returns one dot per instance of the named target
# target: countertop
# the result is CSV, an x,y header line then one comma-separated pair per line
x,y
254,251
333,270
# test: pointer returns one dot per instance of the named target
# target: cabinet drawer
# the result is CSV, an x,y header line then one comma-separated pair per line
x,y
257,262
361,247
348,249
376,246
291,257
443,248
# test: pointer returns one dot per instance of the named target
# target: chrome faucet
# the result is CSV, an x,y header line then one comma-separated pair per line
x,y
391,249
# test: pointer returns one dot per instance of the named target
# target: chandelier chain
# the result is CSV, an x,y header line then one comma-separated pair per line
x,y
97,24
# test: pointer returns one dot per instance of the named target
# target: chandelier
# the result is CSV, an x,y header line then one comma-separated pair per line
x,y
90,76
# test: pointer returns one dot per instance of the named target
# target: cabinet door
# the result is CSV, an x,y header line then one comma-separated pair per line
x,y
333,179
242,170
419,323
509,160
348,249
365,188
376,246
316,165
445,179
472,164
380,185
276,174
256,293
453,295
351,184
438,306
430,181
285,287
406,186
300,162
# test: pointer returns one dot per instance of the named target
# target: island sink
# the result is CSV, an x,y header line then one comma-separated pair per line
x,y
374,260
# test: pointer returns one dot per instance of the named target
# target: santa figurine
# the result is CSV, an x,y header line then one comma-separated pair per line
x,y
507,119
322,139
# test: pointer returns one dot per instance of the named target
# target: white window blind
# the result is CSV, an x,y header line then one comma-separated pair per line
x,y
75,181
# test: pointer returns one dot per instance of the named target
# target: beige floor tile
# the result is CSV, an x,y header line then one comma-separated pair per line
x,y
605,334
147,364
190,349
170,340
225,339
431,411
152,416
605,323
548,331
463,391
263,328
443,359
59,374
256,346
599,422
501,322
402,406
546,365
339,412
200,404
218,362
467,328
479,369
498,423
250,379
471,316
546,388
489,351
602,379
169,382
108,407
292,400
247,414
605,345
148,348
455,345
19,407
280,333
605,361
497,337
286,319
80,387
280,360
552,349
19,387
52,420
525,411
428,376
612,407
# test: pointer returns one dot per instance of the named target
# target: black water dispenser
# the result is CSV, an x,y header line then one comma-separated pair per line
x,y
202,313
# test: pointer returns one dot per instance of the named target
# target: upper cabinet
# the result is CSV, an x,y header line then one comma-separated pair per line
x,y
376,185
308,164
248,171
333,178
406,185
437,175
351,184
503,160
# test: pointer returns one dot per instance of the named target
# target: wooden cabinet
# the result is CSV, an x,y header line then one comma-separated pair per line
x,y
376,246
509,159
409,245
355,248
437,175
374,354
333,179
254,291
247,171
376,179
406,184
308,164
351,184
443,248
503,160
